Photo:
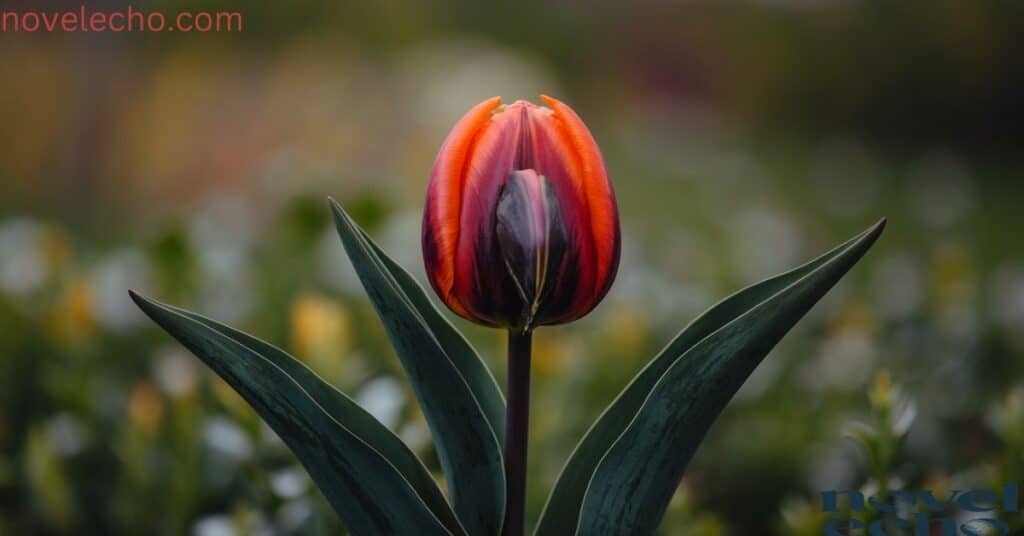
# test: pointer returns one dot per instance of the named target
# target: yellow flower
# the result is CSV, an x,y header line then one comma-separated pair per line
x,y
626,330
72,318
146,407
320,330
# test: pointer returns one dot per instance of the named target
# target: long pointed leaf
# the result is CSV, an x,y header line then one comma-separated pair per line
x,y
355,418
467,446
462,354
371,479
561,513
635,480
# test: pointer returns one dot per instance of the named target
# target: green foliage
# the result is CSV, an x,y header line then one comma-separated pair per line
x,y
467,445
619,480
374,482
722,345
892,412
462,354
637,475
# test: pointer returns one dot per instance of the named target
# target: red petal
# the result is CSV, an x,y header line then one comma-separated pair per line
x,y
591,177
444,201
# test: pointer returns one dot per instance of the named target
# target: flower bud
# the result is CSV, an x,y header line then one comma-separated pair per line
x,y
521,227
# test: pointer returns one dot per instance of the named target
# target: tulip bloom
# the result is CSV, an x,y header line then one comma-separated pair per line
x,y
521,227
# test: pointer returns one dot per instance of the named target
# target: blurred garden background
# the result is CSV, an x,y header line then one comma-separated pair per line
x,y
742,138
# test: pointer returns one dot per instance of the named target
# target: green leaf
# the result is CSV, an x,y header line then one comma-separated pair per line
x,y
440,365
636,477
462,354
374,482
710,345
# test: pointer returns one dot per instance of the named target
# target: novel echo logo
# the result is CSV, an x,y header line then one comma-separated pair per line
x,y
897,512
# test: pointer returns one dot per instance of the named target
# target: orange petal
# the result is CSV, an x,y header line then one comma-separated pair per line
x,y
590,170
444,197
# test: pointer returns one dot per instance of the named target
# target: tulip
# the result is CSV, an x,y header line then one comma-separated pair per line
x,y
520,227
520,230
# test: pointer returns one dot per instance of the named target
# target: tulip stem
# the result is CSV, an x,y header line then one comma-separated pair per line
x,y
517,416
